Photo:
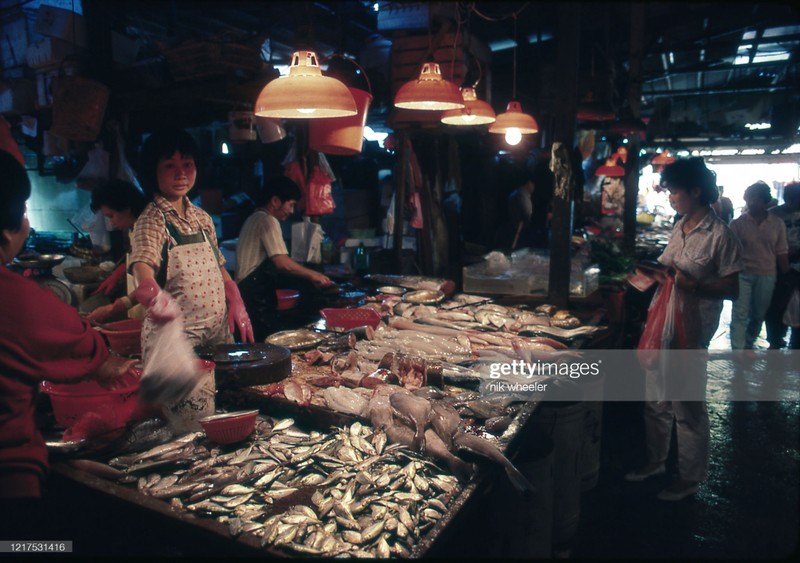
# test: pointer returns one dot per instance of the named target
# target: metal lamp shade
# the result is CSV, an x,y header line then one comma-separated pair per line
x,y
513,118
429,92
305,93
474,112
610,170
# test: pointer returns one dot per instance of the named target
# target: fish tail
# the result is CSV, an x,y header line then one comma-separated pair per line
x,y
519,481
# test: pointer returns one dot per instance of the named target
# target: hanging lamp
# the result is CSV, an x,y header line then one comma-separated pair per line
x,y
430,91
662,158
474,112
611,169
305,93
513,123
628,127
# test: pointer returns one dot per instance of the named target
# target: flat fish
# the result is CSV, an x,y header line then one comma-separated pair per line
x,y
417,411
473,444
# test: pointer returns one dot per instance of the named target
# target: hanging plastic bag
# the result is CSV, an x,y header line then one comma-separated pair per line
x,y
791,316
170,372
307,241
95,172
319,199
124,170
664,328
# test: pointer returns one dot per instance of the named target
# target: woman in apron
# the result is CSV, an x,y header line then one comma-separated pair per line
x,y
175,257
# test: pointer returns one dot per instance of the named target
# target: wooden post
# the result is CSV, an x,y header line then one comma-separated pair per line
x,y
561,160
635,101
400,174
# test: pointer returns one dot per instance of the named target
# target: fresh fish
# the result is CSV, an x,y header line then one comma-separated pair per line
x,y
345,400
476,445
416,411
445,421
498,424
429,393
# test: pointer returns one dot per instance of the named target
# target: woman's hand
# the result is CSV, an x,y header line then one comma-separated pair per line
x,y
109,374
237,314
685,281
115,310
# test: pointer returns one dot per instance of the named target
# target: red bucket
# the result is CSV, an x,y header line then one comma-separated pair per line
x,y
287,299
341,135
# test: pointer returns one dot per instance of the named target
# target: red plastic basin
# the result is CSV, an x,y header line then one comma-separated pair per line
x,y
287,298
124,337
71,401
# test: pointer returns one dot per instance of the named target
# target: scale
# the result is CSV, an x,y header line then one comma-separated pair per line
x,y
39,268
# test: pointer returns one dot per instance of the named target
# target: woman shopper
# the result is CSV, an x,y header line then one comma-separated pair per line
x,y
705,257
764,252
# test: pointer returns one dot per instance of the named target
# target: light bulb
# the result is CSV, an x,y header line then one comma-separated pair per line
x,y
513,136
468,117
306,110
225,149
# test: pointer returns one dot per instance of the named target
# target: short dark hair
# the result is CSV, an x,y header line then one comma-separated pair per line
x,y
759,189
118,195
689,173
791,191
15,189
159,145
282,187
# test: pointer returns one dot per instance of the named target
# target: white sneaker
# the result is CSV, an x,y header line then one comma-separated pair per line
x,y
642,475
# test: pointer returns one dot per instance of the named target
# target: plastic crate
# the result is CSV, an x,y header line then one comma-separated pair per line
x,y
475,280
345,319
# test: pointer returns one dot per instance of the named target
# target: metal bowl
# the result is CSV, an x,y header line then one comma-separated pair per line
x,y
391,290
40,261
424,297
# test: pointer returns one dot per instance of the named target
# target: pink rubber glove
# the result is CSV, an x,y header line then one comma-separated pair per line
x,y
160,305
110,284
237,314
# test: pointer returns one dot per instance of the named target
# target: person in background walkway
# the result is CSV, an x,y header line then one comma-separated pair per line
x,y
786,283
723,207
706,258
763,238
121,203
263,264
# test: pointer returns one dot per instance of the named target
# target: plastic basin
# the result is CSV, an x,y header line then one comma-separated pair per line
x,y
230,427
124,337
71,401
287,299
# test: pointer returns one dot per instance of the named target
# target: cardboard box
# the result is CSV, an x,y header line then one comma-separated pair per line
x,y
48,52
61,24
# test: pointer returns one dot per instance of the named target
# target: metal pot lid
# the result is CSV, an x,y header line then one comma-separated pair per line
x,y
243,353
295,339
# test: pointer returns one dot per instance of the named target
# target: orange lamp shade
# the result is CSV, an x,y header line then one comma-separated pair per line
x,y
429,92
474,112
513,118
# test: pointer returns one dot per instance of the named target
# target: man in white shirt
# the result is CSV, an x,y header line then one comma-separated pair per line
x,y
262,262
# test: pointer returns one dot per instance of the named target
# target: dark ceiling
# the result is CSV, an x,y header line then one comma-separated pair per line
x,y
707,68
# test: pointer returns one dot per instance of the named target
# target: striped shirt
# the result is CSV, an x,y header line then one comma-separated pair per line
x,y
259,239
150,231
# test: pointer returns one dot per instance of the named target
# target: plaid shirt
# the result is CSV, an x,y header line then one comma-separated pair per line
x,y
150,231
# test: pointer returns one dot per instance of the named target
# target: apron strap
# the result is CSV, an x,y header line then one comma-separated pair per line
x,y
176,238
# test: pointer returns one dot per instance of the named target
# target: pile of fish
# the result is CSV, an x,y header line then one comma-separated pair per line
x,y
344,493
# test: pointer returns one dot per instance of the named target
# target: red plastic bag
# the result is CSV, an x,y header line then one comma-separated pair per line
x,y
665,326
319,200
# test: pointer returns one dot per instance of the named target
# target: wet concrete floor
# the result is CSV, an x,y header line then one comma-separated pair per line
x,y
747,509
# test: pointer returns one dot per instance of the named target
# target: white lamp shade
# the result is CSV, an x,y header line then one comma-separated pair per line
x,y
513,118
305,93
429,92
474,112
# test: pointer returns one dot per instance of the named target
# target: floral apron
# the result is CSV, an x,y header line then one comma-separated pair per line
x,y
194,281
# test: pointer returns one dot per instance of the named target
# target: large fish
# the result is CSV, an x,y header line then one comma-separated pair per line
x,y
476,445
445,420
415,410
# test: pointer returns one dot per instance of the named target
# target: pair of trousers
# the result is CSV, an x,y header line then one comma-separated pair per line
x,y
690,418
785,285
749,310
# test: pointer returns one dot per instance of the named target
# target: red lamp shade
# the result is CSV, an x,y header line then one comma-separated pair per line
x,y
610,169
